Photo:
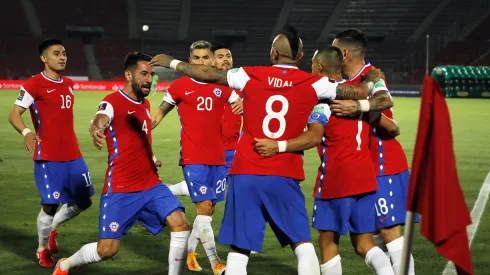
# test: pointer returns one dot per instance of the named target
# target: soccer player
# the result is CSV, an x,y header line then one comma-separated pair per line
x,y
389,158
132,190
346,181
201,106
279,99
59,169
230,124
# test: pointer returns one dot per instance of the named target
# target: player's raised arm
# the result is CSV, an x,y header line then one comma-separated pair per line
x,y
168,103
199,72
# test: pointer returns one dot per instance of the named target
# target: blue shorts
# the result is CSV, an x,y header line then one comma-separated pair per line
x,y
205,182
354,214
252,201
120,211
391,200
229,154
63,182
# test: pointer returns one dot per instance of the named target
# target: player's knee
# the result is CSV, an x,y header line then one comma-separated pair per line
x,y
84,205
362,247
107,249
50,209
205,208
391,233
177,222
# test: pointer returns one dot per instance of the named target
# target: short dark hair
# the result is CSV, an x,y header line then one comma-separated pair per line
x,y
331,57
133,58
353,37
294,40
219,47
48,43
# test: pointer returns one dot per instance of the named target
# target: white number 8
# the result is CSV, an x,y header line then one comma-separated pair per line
x,y
275,115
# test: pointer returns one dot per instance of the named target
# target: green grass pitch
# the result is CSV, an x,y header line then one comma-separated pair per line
x,y
141,253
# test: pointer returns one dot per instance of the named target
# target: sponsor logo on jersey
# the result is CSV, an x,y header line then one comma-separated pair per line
x,y
21,95
56,195
203,190
102,106
114,226
217,92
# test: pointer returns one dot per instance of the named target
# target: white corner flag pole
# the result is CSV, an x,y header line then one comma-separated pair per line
x,y
407,245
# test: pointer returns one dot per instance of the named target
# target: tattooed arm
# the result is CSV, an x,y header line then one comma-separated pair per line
x,y
380,101
198,72
160,113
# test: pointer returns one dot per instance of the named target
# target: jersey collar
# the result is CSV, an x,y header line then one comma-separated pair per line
x,y
367,64
285,66
52,80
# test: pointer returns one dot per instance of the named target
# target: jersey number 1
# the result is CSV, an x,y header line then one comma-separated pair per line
x,y
271,114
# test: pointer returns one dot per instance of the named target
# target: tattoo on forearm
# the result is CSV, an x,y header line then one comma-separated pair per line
x,y
205,73
346,92
380,102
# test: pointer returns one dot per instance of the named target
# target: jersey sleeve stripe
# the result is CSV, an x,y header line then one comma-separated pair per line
x,y
106,109
168,98
237,78
325,88
233,97
25,99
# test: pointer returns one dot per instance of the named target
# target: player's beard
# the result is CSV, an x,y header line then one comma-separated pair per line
x,y
138,90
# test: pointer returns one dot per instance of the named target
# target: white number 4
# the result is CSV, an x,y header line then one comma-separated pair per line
x,y
88,181
145,127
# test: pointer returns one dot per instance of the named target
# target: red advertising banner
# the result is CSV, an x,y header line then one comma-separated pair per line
x,y
82,85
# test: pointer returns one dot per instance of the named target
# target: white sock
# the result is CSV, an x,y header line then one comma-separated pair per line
x,y
380,242
307,259
184,189
207,237
236,264
194,238
86,255
177,254
377,261
395,249
332,267
43,229
65,214
179,189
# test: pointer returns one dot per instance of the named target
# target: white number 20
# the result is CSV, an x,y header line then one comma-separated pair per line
x,y
271,114
207,102
221,186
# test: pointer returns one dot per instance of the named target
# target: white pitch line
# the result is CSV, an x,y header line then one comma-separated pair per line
x,y
476,214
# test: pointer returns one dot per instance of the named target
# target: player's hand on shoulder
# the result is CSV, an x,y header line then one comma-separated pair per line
x,y
30,140
161,60
237,107
266,147
374,75
345,107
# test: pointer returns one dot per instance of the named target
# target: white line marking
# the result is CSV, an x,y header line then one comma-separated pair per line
x,y
476,214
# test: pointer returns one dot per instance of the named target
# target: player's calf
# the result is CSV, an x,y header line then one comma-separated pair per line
x,y
307,258
88,254
375,258
177,255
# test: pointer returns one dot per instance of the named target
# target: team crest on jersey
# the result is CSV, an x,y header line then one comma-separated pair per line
x,y
102,106
284,71
56,195
71,90
21,95
148,113
203,190
114,226
217,92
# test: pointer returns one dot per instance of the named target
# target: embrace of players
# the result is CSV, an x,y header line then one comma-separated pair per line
x,y
360,187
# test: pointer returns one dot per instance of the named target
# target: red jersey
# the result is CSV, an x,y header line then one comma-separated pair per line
x,y
51,103
346,167
130,162
200,106
231,125
277,103
387,154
